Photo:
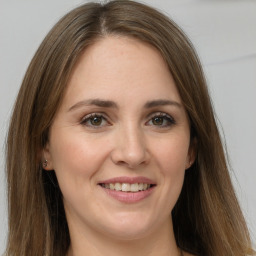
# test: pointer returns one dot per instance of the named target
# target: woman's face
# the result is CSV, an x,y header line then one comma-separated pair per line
x,y
120,142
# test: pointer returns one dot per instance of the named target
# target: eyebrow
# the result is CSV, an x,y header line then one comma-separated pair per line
x,y
156,103
95,102
112,104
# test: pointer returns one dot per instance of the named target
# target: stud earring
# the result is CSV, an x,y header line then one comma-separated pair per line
x,y
45,163
189,164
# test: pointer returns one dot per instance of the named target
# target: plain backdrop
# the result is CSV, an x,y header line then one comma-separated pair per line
x,y
224,34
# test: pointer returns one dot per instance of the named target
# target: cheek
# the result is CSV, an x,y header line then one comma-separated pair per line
x,y
76,156
172,155
171,161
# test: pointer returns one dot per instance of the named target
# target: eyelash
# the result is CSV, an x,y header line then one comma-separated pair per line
x,y
166,118
89,117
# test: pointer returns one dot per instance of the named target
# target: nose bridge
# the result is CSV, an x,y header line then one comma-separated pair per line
x,y
133,143
130,148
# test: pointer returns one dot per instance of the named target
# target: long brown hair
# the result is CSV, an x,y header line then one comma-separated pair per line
x,y
207,218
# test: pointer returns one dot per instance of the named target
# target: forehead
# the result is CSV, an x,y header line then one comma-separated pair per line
x,y
115,66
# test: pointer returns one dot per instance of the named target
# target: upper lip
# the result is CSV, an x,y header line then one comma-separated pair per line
x,y
130,180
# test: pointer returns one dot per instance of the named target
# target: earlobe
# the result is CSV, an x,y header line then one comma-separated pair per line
x,y
189,163
46,159
192,153
45,163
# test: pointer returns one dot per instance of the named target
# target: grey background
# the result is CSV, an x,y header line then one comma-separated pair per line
x,y
224,34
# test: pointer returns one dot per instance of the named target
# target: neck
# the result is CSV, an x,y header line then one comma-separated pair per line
x,y
158,243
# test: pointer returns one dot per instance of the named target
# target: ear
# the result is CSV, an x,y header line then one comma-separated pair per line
x,y
192,152
47,158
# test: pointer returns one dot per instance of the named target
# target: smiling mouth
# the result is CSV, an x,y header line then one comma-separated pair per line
x,y
127,187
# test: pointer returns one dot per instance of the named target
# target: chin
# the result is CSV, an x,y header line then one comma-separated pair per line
x,y
129,227
128,234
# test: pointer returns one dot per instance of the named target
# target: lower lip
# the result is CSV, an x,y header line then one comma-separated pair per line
x,y
129,197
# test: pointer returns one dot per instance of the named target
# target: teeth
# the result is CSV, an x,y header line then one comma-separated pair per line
x,y
140,186
118,186
134,187
126,187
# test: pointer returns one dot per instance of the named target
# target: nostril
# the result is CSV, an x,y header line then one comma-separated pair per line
x,y
130,151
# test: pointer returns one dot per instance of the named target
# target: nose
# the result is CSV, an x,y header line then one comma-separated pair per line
x,y
130,148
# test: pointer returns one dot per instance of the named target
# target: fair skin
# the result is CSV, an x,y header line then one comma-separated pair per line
x,y
121,125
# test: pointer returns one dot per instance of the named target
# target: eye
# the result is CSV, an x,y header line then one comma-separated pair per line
x,y
94,120
161,119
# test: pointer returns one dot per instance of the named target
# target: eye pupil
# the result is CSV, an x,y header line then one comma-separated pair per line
x,y
96,120
157,120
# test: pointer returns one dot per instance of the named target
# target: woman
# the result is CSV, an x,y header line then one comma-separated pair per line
x,y
119,152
